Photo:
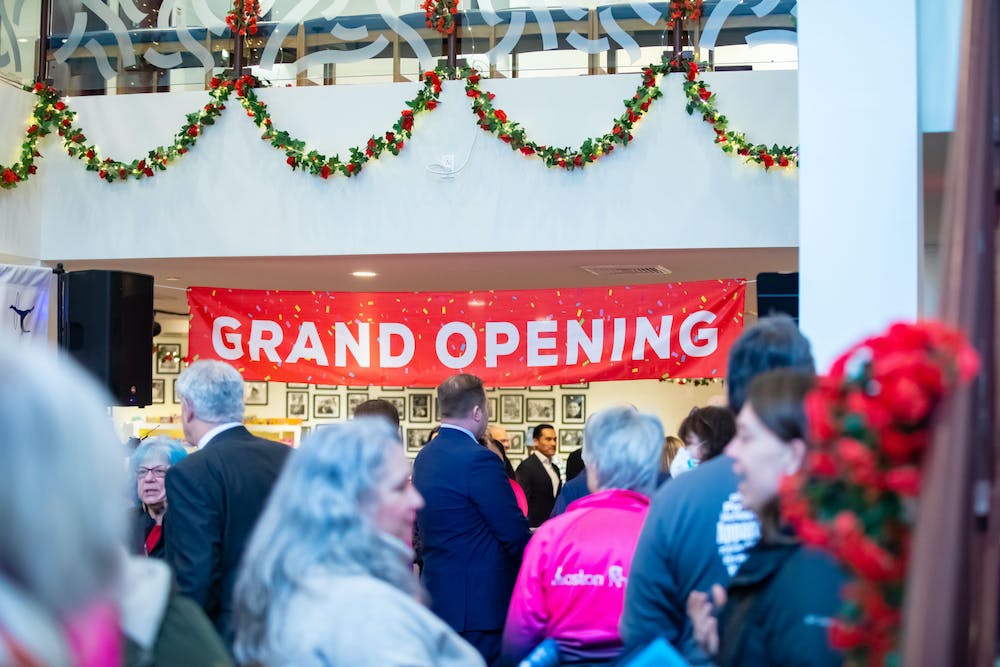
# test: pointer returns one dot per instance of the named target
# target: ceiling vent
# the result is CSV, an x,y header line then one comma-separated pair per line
x,y
626,270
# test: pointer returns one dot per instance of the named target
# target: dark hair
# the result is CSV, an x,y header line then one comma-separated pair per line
x,y
778,400
459,394
379,407
713,425
774,342
536,432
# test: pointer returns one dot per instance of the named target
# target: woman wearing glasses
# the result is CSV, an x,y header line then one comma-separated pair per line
x,y
150,463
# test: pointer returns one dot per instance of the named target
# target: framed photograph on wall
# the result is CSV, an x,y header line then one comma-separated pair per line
x,y
420,408
326,406
581,385
159,387
570,440
541,409
173,392
516,442
255,393
491,409
399,402
574,408
392,389
354,399
539,388
326,387
416,438
296,404
296,385
512,408
168,358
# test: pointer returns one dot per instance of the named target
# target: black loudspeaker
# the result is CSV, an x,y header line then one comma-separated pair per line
x,y
108,329
778,293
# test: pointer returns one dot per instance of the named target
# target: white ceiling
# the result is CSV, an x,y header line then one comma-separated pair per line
x,y
445,272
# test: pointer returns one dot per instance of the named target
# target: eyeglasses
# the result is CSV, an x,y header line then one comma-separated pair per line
x,y
158,472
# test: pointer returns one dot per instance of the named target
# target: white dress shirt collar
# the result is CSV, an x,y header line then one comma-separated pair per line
x,y
205,439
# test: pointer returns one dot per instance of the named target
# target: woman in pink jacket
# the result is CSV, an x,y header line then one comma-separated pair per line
x,y
571,586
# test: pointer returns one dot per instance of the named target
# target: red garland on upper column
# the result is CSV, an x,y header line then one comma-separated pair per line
x,y
242,18
683,10
440,15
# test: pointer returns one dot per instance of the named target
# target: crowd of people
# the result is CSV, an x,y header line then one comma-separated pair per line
x,y
247,552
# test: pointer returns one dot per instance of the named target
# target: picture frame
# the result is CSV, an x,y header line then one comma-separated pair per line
x,y
392,389
399,402
255,392
574,408
173,392
159,387
296,385
512,408
168,358
580,385
326,387
516,442
416,438
549,388
297,404
437,410
540,409
491,409
354,399
326,406
420,408
570,440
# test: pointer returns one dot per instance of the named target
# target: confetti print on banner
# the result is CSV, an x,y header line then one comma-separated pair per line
x,y
509,338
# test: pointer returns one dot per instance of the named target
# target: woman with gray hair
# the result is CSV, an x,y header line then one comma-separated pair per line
x,y
149,464
571,587
60,513
327,578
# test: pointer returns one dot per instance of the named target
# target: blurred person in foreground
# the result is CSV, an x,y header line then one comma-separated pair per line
x,y
698,532
472,530
780,602
327,578
149,464
571,587
218,492
61,516
705,433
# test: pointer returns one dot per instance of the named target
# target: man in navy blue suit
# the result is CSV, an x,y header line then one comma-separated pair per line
x,y
472,530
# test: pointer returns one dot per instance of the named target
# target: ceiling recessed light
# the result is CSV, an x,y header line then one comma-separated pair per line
x,y
172,279
364,274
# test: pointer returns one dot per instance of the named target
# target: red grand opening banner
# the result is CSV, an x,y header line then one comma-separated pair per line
x,y
508,338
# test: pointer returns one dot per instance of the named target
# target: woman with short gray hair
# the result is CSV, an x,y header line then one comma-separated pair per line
x,y
149,465
327,578
571,587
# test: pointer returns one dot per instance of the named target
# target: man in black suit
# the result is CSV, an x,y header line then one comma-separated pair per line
x,y
472,530
217,493
539,477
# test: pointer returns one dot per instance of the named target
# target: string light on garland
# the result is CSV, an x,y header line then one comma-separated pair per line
x,y
682,10
440,15
318,164
695,382
50,113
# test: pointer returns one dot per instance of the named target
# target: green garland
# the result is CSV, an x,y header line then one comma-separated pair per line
x,y
700,99
50,113
320,165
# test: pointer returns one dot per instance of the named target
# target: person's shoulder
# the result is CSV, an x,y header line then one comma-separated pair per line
x,y
715,475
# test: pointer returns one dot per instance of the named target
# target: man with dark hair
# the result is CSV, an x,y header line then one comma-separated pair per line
x,y
378,407
539,477
472,532
697,532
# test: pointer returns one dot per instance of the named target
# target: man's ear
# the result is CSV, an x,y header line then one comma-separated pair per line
x,y
798,449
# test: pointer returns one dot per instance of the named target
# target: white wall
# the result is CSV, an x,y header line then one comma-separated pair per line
x,y
233,195
20,208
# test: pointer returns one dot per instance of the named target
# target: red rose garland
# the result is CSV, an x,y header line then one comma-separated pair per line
x,y
440,15
869,422
320,165
242,18
683,10
51,113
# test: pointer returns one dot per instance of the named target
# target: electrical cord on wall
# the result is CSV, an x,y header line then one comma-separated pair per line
x,y
446,172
